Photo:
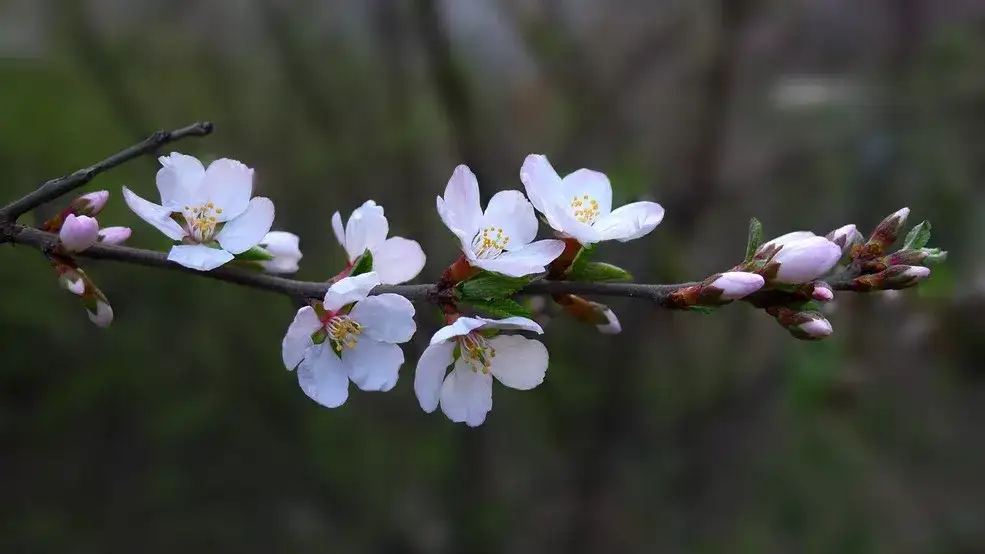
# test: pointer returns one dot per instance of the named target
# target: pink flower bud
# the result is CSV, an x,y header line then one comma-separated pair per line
x,y
846,237
91,203
816,328
805,260
79,232
888,229
103,315
738,284
612,327
822,292
114,235
786,239
72,282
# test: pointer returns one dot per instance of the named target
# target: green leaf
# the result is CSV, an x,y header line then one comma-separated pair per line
x,y
599,272
364,264
255,254
755,238
702,309
487,285
500,307
918,237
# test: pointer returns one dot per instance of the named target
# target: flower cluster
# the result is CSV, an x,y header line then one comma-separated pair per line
x,y
354,332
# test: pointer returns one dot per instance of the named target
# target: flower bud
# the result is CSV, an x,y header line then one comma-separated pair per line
x,y
815,329
783,240
90,204
804,260
846,238
804,325
72,281
284,247
887,231
918,256
893,278
612,327
600,315
79,232
733,285
101,315
822,292
114,235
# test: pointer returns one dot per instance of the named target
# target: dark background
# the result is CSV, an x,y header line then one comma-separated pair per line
x,y
178,430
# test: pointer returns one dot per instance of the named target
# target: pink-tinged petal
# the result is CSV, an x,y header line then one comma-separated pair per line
x,y
586,185
787,239
520,363
818,328
114,235
103,316
198,256
338,229
806,260
460,208
91,203
323,378
158,216
738,284
466,395
247,230
431,370
78,232
298,337
398,260
229,185
528,260
631,221
349,290
510,211
179,180
542,183
373,366
461,326
367,227
385,318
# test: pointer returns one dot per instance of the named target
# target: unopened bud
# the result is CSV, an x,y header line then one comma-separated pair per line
x,y
114,235
783,240
815,329
72,281
804,325
846,238
285,250
918,256
803,261
600,315
91,203
822,292
78,232
894,278
101,315
887,231
733,285
612,326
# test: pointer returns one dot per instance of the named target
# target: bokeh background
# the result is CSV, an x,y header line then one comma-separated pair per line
x,y
178,430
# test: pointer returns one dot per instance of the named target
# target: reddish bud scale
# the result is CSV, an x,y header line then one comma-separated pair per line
x,y
582,310
457,272
887,231
557,268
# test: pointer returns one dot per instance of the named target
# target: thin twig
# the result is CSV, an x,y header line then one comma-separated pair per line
x,y
63,185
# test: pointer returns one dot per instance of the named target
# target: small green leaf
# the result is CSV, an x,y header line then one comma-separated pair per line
x,y
599,272
918,237
500,307
255,254
487,285
755,238
364,264
701,309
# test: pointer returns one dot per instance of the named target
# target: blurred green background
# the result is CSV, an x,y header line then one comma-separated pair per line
x,y
178,430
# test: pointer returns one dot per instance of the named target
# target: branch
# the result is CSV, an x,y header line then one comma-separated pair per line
x,y
63,185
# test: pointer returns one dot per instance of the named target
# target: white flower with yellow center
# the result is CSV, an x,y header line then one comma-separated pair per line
x,y
351,336
580,204
499,239
465,393
396,259
209,210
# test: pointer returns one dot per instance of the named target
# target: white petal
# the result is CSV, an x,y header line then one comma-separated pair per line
x,y
459,208
431,370
158,216
461,326
366,228
466,395
298,337
787,239
385,317
177,180
103,316
542,183
349,290
247,230
512,323
631,221
510,211
593,184
520,363
612,325
323,378
229,185
526,261
373,366
398,260
198,256
338,229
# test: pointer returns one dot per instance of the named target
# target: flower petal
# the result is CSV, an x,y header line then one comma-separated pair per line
x,y
542,183
431,370
338,229
372,365
781,240
229,185
461,326
520,363
466,395
459,208
398,260
298,337
631,221
803,261
247,230
158,216
366,228
198,256
323,378
586,185
510,211
178,179
385,317
528,260
512,323
349,290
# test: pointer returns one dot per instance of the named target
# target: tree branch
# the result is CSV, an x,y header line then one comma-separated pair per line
x,y
63,185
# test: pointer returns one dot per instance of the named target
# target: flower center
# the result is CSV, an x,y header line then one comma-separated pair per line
x,y
585,209
476,351
343,331
201,221
489,243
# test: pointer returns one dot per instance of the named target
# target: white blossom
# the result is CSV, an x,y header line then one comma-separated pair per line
x,y
284,248
396,259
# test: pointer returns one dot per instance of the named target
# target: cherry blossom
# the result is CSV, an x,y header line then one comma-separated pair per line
x,y
396,259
